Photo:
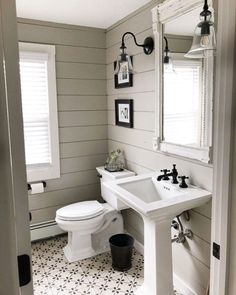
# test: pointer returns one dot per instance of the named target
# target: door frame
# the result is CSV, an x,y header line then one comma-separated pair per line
x,y
222,145
14,212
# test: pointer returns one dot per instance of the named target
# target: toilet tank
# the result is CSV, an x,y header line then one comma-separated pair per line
x,y
107,195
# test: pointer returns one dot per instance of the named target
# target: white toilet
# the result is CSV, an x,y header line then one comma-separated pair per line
x,y
90,224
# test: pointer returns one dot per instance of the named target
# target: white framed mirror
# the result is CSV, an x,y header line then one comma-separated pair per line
x,y
184,86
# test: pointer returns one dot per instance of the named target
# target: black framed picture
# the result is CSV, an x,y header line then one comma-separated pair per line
x,y
123,78
124,112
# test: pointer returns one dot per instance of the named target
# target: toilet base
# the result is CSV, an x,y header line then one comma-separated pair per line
x,y
86,253
81,246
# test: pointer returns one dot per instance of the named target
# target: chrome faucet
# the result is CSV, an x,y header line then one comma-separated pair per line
x,y
165,175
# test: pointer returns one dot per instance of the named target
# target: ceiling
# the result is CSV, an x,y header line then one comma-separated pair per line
x,y
92,13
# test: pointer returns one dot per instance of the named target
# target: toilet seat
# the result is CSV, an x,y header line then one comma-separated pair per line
x,y
80,211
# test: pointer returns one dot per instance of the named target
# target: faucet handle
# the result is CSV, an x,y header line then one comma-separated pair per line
x,y
165,171
183,184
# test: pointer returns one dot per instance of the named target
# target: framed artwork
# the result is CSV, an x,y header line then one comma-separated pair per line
x,y
124,112
123,78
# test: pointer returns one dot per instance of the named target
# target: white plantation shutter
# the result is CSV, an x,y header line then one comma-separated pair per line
x,y
34,89
183,103
38,103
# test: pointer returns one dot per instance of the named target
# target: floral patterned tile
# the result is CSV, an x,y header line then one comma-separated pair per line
x,y
54,275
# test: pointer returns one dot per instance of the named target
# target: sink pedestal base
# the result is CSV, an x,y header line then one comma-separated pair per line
x,y
158,273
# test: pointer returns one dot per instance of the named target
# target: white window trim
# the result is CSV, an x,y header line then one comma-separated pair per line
x,y
50,171
161,14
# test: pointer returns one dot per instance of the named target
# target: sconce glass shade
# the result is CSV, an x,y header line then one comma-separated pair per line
x,y
204,40
169,68
193,54
202,44
168,63
125,60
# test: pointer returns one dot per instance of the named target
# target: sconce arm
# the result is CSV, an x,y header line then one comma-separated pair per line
x,y
167,46
147,46
135,41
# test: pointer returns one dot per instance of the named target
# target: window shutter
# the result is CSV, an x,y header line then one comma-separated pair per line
x,y
35,104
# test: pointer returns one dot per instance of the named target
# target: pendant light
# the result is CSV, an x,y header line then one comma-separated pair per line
x,y
204,40
167,60
148,46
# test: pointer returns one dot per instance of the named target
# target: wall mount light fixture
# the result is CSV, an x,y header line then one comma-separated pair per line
x,y
148,46
167,60
204,40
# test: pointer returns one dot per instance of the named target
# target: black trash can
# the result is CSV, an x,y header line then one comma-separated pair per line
x,y
121,251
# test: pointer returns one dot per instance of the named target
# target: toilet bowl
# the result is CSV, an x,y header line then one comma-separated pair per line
x,y
90,224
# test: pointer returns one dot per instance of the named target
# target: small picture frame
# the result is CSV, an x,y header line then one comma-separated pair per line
x,y
124,78
124,112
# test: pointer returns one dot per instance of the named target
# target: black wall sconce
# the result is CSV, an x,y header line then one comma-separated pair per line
x,y
167,60
166,52
148,46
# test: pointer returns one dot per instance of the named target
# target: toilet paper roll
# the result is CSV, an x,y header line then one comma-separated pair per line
x,y
37,188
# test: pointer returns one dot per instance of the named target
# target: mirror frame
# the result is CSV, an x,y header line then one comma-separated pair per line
x,y
161,14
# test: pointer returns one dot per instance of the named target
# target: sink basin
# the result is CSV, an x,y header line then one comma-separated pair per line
x,y
158,202
155,198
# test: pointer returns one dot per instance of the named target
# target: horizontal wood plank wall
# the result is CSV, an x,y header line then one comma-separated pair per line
x,y
191,260
82,112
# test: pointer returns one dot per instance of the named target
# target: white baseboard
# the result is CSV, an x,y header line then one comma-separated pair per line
x,y
44,230
139,247
182,287
179,285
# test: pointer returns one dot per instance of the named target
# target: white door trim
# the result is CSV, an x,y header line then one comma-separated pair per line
x,y
224,83
14,215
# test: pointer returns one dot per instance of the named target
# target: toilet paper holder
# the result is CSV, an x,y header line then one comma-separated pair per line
x,y
43,182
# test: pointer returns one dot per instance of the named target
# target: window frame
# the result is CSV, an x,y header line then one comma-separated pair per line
x,y
46,171
162,14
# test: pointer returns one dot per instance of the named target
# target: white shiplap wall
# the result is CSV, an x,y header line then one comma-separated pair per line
x,y
191,260
82,111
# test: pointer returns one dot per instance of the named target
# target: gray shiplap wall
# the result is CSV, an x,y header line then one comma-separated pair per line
x,y
191,260
82,112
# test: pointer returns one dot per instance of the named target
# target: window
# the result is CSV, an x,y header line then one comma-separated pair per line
x,y
183,103
39,104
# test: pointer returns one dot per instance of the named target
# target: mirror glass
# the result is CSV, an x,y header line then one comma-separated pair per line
x,y
183,83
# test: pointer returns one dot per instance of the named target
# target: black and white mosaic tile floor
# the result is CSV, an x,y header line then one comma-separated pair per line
x,y
54,275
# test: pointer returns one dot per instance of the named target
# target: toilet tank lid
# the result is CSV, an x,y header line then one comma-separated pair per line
x,y
80,210
116,175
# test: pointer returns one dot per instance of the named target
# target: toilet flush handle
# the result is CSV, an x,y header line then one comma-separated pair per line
x,y
99,175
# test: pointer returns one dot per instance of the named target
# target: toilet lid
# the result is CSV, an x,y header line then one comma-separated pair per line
x,y
80,210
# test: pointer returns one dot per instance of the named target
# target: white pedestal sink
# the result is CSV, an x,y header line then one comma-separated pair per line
x,y
158,202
